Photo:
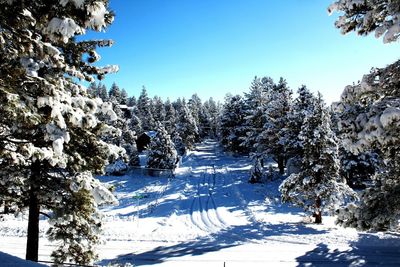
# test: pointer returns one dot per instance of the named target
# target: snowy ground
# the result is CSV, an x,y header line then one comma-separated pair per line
x,y
209,215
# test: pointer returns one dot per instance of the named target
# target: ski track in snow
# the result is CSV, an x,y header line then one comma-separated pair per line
x,y
209,215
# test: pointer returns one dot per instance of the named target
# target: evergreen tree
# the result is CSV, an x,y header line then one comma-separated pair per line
x,y
256,102
131,101
302,105
213,112
124,97
135,122
145,111
92,90
195,107
48,129
162,153
186,126
114,95
318,186
158,109
370,122
271,141
103,92
232,119
364,17
170,118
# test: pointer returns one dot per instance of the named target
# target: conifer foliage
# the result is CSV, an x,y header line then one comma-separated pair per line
x,y
364,17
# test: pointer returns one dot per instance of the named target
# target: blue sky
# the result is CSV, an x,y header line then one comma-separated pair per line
x,y
213,47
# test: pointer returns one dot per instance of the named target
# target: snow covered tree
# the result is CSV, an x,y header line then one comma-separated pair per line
x,y
195,106
231,130
158,109
366,16
135,122
49,132
145,111
92,90
302,105
186,126
131,101
114,95
370,121
271,140
162,152
170,118
102,89
255,106
213,111
318,186
124,97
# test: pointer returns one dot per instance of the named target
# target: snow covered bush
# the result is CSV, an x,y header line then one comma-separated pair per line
x,y
256,171
119,167
318,186
366,16
48,128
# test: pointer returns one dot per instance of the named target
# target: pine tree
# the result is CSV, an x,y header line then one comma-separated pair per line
x,y
186,126
271,141
135,122
318,187
145,111
364,17
231,121
302,105
48,124
213,111
103,92
124,97
256,102
92,90
170,118
131,101
158,109
370,122
195,107
115,95
162,152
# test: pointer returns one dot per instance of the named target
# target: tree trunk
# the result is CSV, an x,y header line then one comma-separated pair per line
x,y
6,207
32,245
281,165
317,213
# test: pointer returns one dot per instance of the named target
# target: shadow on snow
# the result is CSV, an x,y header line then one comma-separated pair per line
x,y
363,252
231,237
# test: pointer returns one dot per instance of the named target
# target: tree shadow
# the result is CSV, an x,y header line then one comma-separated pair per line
x,y
368,250
227,238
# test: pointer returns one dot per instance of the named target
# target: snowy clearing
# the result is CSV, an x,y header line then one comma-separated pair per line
x,y
209,214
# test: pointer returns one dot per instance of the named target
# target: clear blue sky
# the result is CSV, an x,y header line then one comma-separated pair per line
x,y
213,47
